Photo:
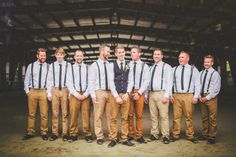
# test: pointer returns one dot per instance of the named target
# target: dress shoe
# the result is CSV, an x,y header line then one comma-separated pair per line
x,y
45,137
72,138
65,138
53,138
166,140
202,138
193,140
130,138
89,139
27,136
100,141
153,138
128,143
141,140
112,144
211,141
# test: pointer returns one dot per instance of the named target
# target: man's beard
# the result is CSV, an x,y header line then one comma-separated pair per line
x,y
41,60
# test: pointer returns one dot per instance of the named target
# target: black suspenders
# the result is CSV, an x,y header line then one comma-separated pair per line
x,y
162,75
73,76
99,74
32,75
65,73
86,76
53,69
175,83
46,76
140,81
210,81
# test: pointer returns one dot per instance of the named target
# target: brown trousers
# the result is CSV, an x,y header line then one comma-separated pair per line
x,y
75,106
59,99
136,108
209,115
123,109
183,104
100,107
35,97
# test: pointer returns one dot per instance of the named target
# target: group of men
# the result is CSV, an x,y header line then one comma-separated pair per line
x,y
121,87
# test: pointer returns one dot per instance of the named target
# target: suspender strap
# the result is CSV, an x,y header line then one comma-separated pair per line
x,y
73,76
65,73
46,76
162,75
191,75
86,76
175,83
210,81
53,70
201,77
32,74
99,74
140,81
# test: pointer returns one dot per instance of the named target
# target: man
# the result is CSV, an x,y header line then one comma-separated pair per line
x,y
210,83
77,83
100,91
119,82
159,81
185,96
138,72
58,93
35,88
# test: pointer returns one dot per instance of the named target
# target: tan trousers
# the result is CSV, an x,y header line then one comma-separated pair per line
x,y
100,107
183,104
209,114
35,97
159,110
136,108
59,99
75,106
123,109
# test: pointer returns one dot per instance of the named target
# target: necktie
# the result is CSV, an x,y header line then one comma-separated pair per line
x,y
121,66
182,78
60,71
134,72
80,82
153,72
40,75
106,83
203,85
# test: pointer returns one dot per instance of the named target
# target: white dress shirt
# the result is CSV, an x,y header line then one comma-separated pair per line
x,y
73,79
28,76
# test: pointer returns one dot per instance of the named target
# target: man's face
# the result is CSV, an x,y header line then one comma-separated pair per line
x,y
183,58
60,57
135,55
79,57
208,63
106,53
41,56
157,56
120,54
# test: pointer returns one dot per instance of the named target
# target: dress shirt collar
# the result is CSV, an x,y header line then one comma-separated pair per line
x,y
101,61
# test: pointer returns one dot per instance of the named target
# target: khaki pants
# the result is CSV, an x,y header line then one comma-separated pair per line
x,y
159,110
35,97
59,99
100,107
209,114
183,104
115,110
136,108
75,106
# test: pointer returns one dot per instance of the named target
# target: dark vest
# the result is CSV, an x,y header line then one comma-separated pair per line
x,y
120,78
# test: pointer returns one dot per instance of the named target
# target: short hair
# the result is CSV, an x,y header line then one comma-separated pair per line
x,y
60,50
41,50
102,47
210,57
138,48
79,51
119,47
185,53
158,49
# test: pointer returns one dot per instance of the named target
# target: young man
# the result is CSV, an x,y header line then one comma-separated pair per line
x,y
185,95
138,71
100,91
159,84
210,83
35,88
58,93
119,82
77,83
